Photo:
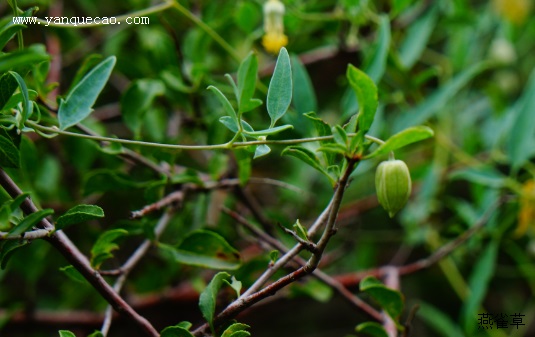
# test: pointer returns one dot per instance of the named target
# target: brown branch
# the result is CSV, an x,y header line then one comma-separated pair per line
x,y
63,244
243,302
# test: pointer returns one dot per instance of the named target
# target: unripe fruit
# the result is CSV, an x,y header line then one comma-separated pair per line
x,y
393,185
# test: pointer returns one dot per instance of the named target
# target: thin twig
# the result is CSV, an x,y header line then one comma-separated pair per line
x,y
132,261
31,235
310,246
63,244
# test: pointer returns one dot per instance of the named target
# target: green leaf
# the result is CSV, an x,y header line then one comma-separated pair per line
x,y
73,274
401,139
304,98
8,85
236,285
267,132
26,103
417,37
78,104
241,333
439,98
208,298
519,146
9,153
322,127
232,126
390,300
66,333
366,92
484,175
300,230
30,221
229,110
234,328
261,150
89,63
438,321
23,58
137,100
308,157
478,284
7,248
340,135
377,64
274,255
176,331
205,249
371,329
279,93
8,32
247,82
96,334
104,245
77,214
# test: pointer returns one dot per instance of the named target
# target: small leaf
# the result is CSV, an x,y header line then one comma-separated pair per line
x,y
205,249
308,157
7,248
26,103
300,230
176,331
66,333
373,329
401,139
236,285
366,92
236,327
261,150
137,101
77,214
304,97
247,82
102,249
229,110
73,274
322,127
15,204
279,93
8,32
390,300
89,63
229,123
340,135
23,58
78,104
274,255
30,221
267,132
96,334
208,298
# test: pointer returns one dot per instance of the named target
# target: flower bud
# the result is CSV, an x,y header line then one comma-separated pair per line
x,y
274,38
393,185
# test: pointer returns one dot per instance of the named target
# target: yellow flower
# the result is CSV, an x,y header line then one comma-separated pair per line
x,y
526,213
515,11
274,39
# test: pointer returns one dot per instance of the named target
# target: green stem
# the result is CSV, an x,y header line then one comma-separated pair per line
x,y
228,145
147,11
208,30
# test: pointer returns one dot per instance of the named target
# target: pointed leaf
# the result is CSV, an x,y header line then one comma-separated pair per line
x,y
7,248
232,126
104,245
267,132
26,103
66,333
79,213
30,221
236,285
208,298
279,93
96,334
366,92
247,81
176,331
229,110
205,249
372,329
73,274
234,328
78,104
261,150
308,157
401,139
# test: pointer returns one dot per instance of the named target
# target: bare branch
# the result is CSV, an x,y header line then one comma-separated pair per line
x,y
31,235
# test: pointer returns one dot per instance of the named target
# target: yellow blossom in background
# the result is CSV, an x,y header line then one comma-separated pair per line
x,y
274,38
526,214
516,11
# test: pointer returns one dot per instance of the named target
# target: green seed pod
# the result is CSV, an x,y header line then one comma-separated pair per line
x,y
393,185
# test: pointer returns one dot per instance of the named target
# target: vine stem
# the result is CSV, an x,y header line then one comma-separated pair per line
x,y
229,145
72,254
